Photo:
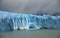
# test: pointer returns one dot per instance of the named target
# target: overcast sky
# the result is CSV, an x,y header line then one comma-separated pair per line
x,y
31,6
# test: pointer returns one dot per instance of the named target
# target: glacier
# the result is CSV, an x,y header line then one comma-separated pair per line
x,y
16,21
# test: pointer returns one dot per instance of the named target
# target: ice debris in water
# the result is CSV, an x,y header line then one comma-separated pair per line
x,y
15,21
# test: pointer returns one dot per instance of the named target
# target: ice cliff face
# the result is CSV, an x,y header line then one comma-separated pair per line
x,y
15,21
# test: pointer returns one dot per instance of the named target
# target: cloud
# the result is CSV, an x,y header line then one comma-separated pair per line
x,y
32,6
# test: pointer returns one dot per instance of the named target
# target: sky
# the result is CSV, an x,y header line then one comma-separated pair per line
x,y
31,6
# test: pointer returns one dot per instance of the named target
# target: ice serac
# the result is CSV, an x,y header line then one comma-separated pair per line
x,y
5,22
15,21
50,22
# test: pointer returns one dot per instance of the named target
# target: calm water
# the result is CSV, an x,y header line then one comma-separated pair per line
x,y
31,34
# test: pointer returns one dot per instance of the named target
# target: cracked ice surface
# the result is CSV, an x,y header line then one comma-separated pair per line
x,y
15,21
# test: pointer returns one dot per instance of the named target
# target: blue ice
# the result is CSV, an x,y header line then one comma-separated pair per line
x,y
15,21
